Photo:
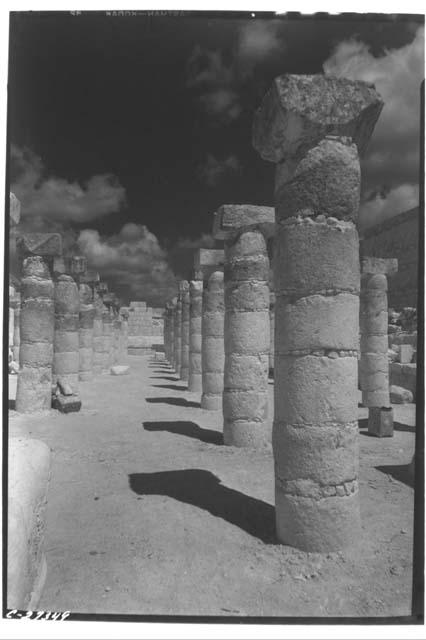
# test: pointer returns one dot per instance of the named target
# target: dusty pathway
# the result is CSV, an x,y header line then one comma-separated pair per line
x,y
149,514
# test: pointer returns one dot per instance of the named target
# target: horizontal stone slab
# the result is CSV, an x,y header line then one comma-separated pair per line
x,y
376,266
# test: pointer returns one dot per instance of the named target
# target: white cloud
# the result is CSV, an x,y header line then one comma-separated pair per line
x,y
48,199
392,157
132,262
381,207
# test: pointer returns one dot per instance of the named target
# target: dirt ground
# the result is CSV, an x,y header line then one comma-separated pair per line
x,y
148,513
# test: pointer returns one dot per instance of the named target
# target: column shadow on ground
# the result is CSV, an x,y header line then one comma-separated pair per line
x,y
400,472
204,490
168,377
173,387
397,426
178,402
186,428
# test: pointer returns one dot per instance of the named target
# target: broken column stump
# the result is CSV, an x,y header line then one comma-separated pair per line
x,y
246,329
314,128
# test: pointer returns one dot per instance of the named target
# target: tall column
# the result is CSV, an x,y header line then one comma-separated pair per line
x,y
16,328
246,331
11,317
173,305
271,332
123,357
178,334
34,387
66,358
87,282
98,333
195,382
208,267
184,359
317,281
374,364
107,339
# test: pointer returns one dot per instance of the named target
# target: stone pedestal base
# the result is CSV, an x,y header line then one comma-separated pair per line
x,y
380,422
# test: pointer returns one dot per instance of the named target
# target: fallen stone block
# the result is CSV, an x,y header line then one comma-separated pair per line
x,y
399,395
29,469
119,370
66,404
404,375
380,422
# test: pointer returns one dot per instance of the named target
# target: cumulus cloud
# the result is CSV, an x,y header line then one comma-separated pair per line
x,y
392,160
382,206
212,171
132,262
219,82
47,199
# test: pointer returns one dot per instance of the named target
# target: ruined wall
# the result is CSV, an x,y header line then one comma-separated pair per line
x,y
397,238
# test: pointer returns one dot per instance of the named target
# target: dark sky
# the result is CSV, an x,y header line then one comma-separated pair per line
x,y
164,106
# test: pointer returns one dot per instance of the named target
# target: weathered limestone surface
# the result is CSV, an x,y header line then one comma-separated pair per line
x,y
66,359
87,315
178,335
195,382
184,365
212,347
314,127
16,328
34,387
246,329
28,479
14,210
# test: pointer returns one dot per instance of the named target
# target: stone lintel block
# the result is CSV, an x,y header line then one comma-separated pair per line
x,y
40,244
301,110
14,210
379,266
380,422
230,219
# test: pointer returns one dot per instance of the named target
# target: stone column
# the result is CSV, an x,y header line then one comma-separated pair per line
x,y
16,328
87,282
66,358
246,331
34,386
123,357
195,382
271,332
208,267
184,359
374,365
11,317
172,331
313,128
98,339
107,339
178,335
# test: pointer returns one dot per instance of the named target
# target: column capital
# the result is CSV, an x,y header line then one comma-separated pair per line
x,y
230,219
379,266
206,261
301,110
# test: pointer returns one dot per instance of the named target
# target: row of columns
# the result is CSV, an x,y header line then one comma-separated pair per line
x,y
317,280
69,326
